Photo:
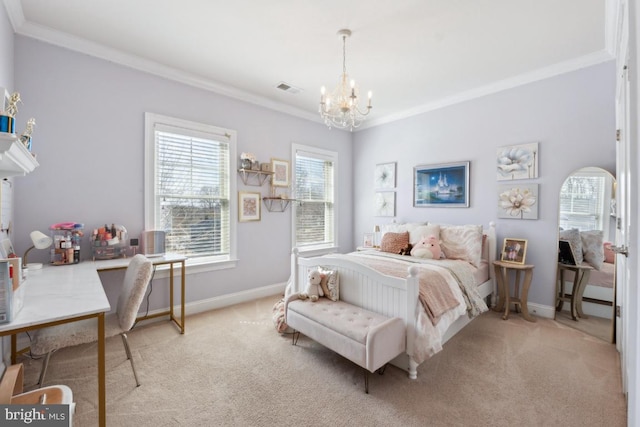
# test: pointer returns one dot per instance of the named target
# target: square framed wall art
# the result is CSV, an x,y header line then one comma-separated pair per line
x,y
518,201
518,162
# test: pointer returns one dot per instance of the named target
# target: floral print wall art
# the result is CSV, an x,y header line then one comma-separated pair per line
x,y
518,162
518,201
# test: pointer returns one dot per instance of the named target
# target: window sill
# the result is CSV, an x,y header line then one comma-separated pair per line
x,y
195,266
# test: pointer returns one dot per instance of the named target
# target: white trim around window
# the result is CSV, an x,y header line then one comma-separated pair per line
x,y
222,254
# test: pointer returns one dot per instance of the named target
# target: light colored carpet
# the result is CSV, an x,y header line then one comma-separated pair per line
x,y
592,325
232,368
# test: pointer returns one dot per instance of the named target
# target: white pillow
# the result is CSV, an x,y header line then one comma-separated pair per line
x,y
592,247
462,242
395,227
417,233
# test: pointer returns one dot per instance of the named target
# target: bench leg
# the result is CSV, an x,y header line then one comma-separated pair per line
x,y
366,381
294,337
382,369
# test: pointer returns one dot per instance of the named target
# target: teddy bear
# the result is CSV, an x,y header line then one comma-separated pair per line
x,y
313,290
427,247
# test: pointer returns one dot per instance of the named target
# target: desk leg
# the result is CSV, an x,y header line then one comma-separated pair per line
x,y
102,402
14,348
182,296
171,291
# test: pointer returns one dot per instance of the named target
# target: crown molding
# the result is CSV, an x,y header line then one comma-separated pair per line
x,y
65,40
522,79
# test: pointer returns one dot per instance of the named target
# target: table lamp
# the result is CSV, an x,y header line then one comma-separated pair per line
x,y
40,241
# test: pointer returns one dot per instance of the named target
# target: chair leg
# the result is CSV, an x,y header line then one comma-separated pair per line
x,y
128,351
43,371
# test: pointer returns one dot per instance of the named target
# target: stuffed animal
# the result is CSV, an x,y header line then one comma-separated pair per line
x,y
406,250
313,290
427,247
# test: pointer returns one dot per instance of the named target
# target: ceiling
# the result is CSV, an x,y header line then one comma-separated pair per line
x,y
415,55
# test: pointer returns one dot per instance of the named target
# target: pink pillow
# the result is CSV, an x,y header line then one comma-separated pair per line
x,y
609,255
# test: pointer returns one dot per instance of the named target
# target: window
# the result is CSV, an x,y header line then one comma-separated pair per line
x,y
315,213
188,187
582,202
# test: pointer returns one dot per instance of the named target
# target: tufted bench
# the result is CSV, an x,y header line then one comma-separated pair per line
x,y
368,339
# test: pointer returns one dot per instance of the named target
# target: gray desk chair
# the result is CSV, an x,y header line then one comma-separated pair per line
x,y
134,287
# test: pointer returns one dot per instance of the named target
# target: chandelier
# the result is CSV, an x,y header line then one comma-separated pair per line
x,y
340,108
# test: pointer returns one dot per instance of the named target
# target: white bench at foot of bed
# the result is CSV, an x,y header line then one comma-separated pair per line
x,y
368,339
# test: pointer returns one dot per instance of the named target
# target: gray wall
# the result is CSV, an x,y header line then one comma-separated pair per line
x,y
89,141
572,117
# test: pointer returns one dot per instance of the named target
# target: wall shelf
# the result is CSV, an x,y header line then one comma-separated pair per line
x,y
15,159
276,204
254,177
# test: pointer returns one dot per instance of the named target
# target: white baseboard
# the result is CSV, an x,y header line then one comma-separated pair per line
x,y
540,310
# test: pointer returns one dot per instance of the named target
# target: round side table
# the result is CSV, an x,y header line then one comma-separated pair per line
x,y
502,270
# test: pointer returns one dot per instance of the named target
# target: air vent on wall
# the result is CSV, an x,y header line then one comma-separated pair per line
x,y
288,88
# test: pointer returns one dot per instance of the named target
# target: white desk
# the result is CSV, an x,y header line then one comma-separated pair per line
x,y
167,259
63,294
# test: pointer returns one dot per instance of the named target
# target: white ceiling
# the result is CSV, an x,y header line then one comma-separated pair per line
x,y
415,55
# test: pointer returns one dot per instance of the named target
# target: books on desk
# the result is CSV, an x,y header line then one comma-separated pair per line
x,y
11,289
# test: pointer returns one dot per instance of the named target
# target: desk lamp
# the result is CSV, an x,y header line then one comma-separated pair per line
x,y
40,241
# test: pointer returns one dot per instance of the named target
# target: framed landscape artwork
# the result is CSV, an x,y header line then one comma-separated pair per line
x,y
442,185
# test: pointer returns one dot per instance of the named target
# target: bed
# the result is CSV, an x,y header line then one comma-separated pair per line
x,y
394,285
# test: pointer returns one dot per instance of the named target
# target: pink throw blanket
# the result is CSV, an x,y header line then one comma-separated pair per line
x,y
434,292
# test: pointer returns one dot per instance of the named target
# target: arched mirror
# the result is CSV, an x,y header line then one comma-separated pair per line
x,y
585,288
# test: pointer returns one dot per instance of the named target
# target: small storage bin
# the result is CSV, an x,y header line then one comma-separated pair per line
x,y
109,242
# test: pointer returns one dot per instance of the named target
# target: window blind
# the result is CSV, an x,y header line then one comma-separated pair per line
x,y
582,203
314,180
192,197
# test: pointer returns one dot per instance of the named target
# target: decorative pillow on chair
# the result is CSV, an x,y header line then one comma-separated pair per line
x,y
330,284
574,239
592,247
462,242
394,242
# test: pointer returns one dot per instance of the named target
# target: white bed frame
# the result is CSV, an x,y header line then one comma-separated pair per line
x,y
391,296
